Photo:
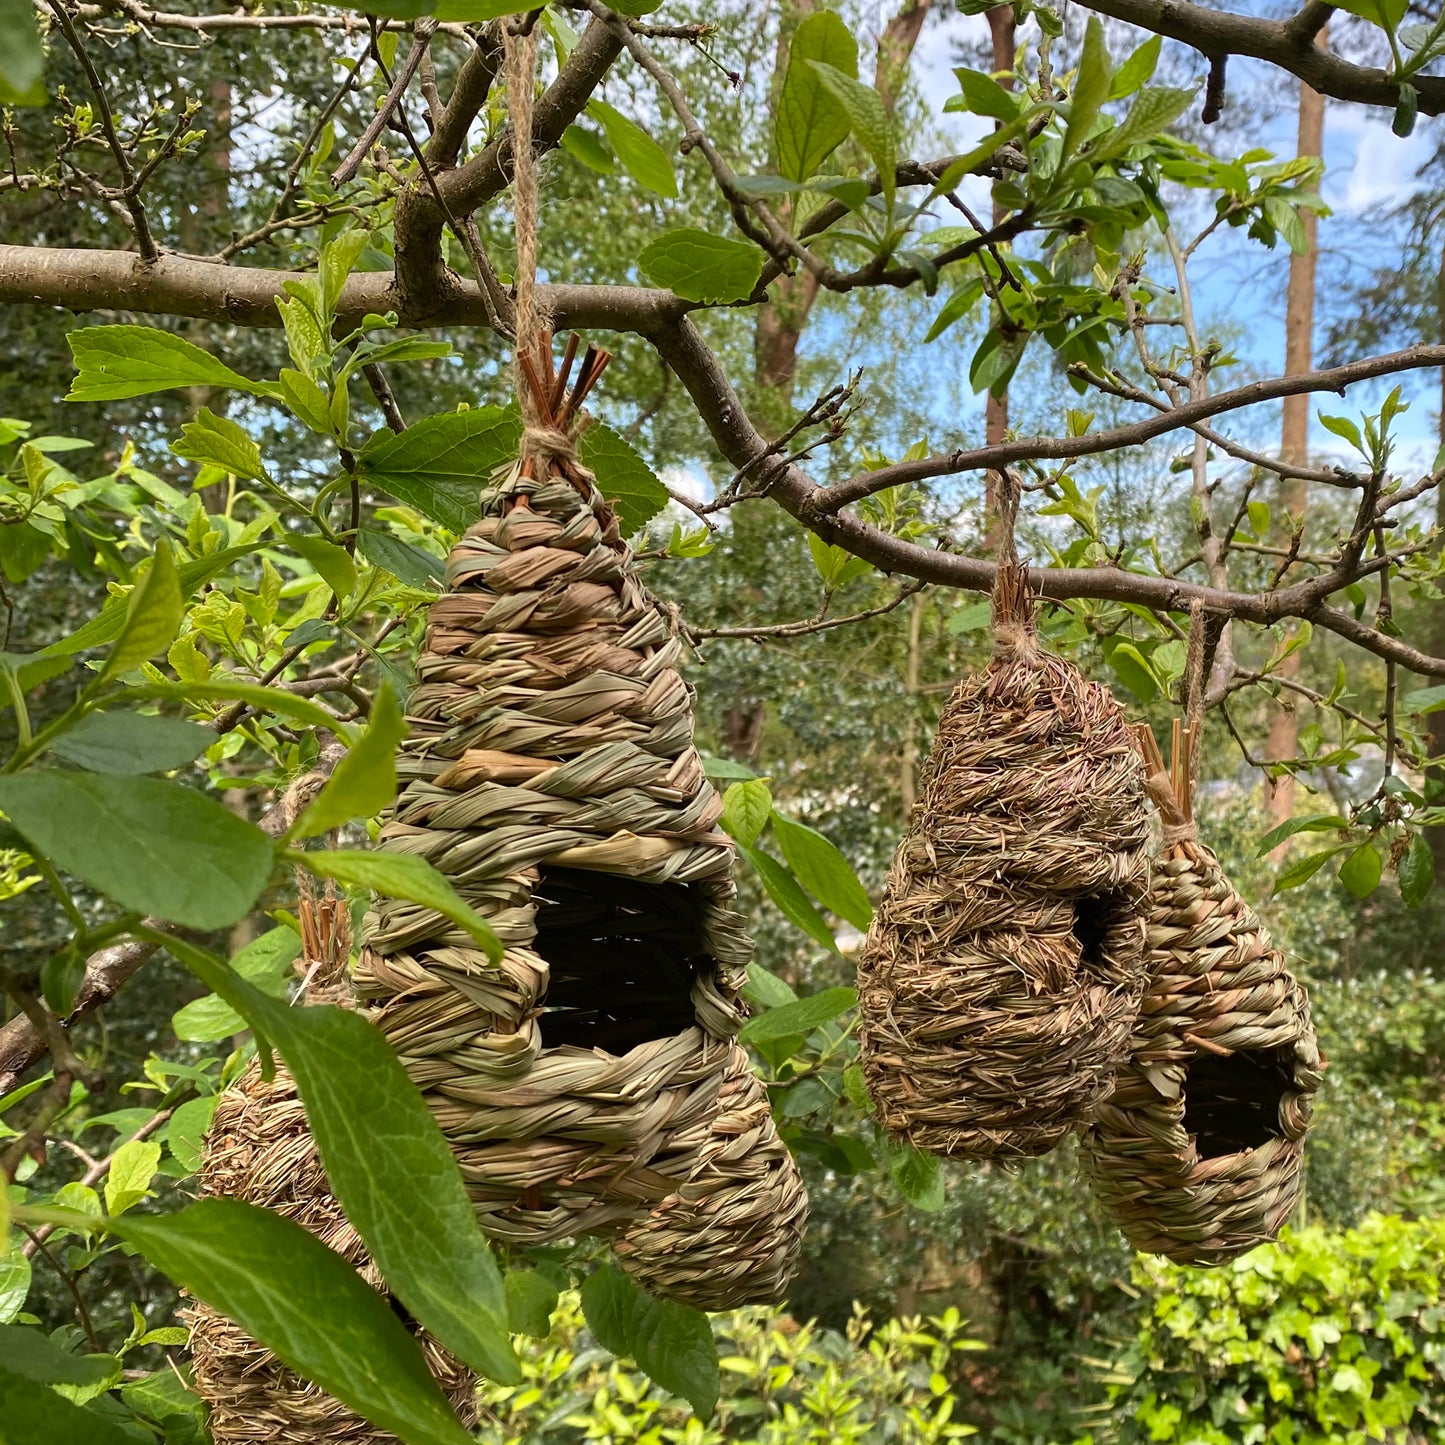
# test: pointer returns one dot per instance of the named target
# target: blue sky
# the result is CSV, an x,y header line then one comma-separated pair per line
x,y
1366,168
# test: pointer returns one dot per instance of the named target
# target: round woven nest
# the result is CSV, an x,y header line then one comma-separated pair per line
x,y
1000,980
1199,1153
589,1083
260,1149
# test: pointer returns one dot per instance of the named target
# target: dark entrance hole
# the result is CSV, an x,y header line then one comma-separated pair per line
x,y
1095,920
1232,1104
623,957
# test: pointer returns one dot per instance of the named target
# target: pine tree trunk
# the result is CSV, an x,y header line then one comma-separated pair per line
x,y
1283,740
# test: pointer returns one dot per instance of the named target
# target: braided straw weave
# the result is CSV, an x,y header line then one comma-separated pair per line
x,y
590,1083
1001,976
1199,1153
260,1149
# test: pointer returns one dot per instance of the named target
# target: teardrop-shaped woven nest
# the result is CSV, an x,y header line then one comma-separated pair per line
x,y
590,1083
260,1149
1001,977
1199,1153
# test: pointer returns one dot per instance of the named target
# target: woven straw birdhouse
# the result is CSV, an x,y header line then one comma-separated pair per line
x,y
260,1149
1000,980
589,1083
1199,1152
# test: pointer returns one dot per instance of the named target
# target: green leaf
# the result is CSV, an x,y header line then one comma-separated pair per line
x,y
1303,869
1343,428
869,120
983,95
264,699
400,875
365,779
917,1175
337,261
1360,872
1137,70
800,1017
440,464
961,300
132,742
672,1344
1387,14
1311,823
333,564
1259,519
265,962
15,1271
622,477
186,1131
767,988
787,893
531,1298
219,441
1091,88
37,1357
114,362
1407,111
586,147
389,1166
152,616
152,846
22,60
699,266
746,807
108,624
132,1168
641,156
309,402
61,977
1416,871
414,566
1133,671
823,871
811,123
32,1413
1425,700
1154,111
297,1297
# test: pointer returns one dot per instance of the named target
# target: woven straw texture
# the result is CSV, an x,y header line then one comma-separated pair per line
x,y
1198,1155
1000,979
590,1083
260,1149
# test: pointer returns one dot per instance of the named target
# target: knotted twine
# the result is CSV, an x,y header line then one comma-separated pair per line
x,y
1000,979
1198,1154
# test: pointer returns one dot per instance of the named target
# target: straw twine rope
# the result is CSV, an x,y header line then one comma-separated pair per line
x,y
999,982
260,1149
1199,1153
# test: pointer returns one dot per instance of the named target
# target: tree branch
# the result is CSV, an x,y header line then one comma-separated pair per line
x,y
1289,45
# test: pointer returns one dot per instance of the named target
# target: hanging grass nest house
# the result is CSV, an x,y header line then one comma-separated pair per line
x,y
1001,977
590,1083
1199,1153
260,1149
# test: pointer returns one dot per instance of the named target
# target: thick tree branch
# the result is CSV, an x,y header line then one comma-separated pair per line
x,y
1289,45
787,484
974,459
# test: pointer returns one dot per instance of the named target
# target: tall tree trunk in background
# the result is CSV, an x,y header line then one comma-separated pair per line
x,y
1435,721
1002,28
781,321
1283,740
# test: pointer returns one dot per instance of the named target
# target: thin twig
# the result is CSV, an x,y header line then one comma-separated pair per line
x,y
422,32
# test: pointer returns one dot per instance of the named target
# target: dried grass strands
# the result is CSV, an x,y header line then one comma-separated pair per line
x,y
1199,1153
589,1083
260,1149
1000,979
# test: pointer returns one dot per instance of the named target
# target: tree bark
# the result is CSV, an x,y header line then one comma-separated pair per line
x,y
1283,741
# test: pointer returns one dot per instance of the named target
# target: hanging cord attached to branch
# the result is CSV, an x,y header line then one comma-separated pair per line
x,y
1172,786
1013,606
552,419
